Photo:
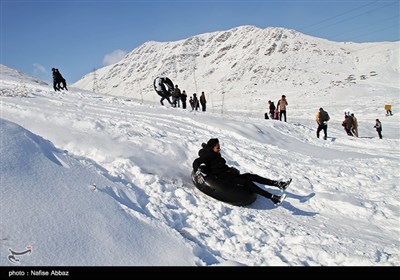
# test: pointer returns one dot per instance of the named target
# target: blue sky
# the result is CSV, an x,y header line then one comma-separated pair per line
x,y
78,36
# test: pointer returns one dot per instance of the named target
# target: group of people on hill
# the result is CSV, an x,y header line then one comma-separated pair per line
x,y
211,162
59,82
276,112
350,124
179,96
195,102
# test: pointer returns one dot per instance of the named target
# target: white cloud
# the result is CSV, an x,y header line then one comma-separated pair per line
x,y
39,70
113,57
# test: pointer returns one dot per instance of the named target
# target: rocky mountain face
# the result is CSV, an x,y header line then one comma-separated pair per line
x,y
247,60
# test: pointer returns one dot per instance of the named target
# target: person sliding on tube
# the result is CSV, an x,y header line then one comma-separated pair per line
x,y
210,155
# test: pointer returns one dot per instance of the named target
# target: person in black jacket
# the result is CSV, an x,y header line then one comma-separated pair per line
x,y
271,109
203,101
322,119
183,99
58,79
196,102
378,127
164,88
216,165
55,79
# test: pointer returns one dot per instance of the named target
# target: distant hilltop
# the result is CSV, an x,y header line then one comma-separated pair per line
x,y
247,60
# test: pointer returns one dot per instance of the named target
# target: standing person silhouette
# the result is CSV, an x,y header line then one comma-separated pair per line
x,y
271,109
282,103
203,101
58,79
196,102
378,126
183,99
322,119
176,96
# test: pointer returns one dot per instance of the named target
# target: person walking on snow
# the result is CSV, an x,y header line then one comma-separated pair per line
x,y
322,119
164,88
378,126
58,79
210,155
354,125
347,123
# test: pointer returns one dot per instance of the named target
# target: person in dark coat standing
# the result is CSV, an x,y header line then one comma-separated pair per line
x,y
55,77
378,126
183,99
210,155
176,96
271,109
196,102
191,102
203,101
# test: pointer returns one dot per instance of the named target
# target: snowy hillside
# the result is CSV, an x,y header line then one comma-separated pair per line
x,y
53,205
342,208
247,64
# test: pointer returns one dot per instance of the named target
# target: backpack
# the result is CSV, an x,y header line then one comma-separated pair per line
x,y
324,116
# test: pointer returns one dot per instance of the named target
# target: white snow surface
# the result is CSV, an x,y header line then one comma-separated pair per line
x,y
96,180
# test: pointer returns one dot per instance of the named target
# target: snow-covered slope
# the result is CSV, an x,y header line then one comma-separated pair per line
x,y
342,208
49,202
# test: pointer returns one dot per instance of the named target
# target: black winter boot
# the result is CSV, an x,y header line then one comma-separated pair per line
x,y
284,185
276,199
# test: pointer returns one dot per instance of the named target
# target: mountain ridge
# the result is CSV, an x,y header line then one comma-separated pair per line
x,y
245,60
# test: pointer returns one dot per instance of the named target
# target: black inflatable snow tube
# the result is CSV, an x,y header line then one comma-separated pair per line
x,y
163,86
221,190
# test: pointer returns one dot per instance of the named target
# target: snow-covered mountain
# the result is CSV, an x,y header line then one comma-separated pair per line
x,y
10,74
247,61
